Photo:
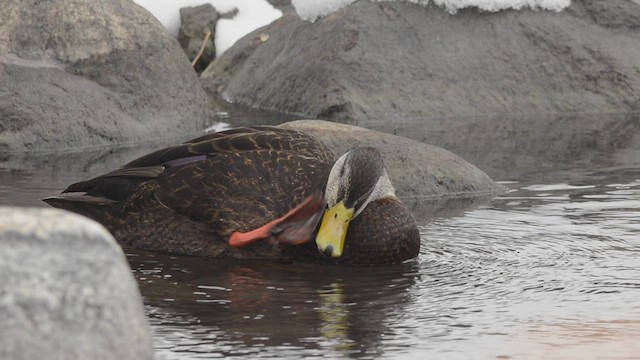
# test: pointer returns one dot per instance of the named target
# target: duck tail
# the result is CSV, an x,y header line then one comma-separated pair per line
x,y
96,208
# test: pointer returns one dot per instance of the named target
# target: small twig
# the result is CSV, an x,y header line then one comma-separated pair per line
x,y
204,44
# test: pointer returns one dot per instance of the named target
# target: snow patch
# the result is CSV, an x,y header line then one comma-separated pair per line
x,y
496,5
310,10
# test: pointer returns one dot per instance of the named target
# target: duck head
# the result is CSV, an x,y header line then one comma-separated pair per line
x,y
362,221
357,179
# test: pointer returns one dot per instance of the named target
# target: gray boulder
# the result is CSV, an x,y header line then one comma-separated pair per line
x,y
198,28
82,73
416,169
66,290
376,63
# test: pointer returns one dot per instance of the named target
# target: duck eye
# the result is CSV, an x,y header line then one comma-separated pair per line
x,y
335,216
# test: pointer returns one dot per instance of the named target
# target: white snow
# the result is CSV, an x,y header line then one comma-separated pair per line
x,y
312,9
496,5
252,14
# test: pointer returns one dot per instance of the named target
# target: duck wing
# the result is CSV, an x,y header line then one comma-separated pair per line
x,y
121,183
118,184
235,141
241,191
191,197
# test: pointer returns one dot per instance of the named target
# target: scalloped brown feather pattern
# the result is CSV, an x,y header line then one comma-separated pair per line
x,y
176,200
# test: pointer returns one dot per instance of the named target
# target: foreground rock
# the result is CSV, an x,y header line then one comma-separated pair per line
x,y
416,169
105,72
66,290
373,62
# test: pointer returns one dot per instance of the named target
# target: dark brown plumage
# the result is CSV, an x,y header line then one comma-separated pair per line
x,y
190,198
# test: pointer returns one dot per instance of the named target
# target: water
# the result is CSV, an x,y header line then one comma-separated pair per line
x,y
550,269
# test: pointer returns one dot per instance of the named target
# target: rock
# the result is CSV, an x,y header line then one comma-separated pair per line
x,y
415,169
285,5
374,64
534,146
198,27
66,290
81,73
617,14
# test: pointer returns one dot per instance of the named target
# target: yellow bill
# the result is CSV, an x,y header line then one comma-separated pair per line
x,y
333,230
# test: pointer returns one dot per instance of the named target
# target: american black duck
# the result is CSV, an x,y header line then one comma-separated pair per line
x,y
253,192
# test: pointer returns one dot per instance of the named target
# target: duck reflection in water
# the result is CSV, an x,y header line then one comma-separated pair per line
x,y
248,306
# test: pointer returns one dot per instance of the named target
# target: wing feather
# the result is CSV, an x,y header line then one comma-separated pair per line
x,y
246,190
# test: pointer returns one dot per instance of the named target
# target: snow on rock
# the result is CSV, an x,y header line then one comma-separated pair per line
x,y
310,10
496,5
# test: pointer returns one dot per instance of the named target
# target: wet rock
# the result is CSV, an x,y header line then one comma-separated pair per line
x,y
374,64
416,169
66,290
81,73
198,28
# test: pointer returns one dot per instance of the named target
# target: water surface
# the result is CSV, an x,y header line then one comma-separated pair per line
x,y
550,269
545,271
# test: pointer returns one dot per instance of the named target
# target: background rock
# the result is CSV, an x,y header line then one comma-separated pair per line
x,y
79,73
415,169
66,290
196,22
285,5
539,146
377,62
